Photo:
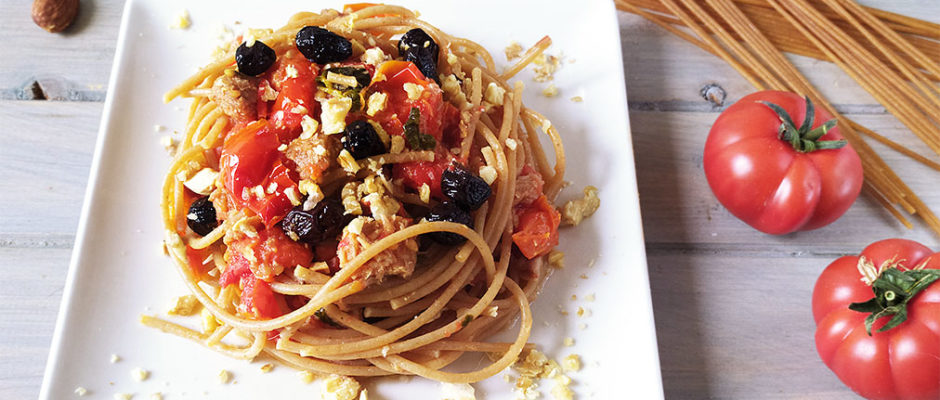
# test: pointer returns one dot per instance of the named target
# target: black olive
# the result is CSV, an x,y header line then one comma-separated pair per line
x,y
464,188
361,140
322,46
201,216
418,47
254,60
450,212
321,223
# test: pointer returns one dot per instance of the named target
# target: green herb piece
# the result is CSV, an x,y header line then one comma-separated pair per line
x,y
324,318
417,140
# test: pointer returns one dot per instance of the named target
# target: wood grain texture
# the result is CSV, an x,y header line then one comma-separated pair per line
x,y
744,338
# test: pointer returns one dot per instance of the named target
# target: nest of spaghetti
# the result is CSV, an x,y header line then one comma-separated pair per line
x,y
360,193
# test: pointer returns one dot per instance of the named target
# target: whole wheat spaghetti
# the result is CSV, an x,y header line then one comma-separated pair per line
x,y
327,202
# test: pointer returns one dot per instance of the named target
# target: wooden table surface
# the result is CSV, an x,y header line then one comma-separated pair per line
x,y
732,305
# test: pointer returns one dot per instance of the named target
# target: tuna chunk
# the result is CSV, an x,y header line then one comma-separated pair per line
x,y
314,155
237,96
362,232
529,185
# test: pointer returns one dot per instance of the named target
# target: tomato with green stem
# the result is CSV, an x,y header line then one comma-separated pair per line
x,y
780,165
878,320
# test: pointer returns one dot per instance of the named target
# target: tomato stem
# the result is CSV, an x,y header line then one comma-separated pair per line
x,y
893,290
805,139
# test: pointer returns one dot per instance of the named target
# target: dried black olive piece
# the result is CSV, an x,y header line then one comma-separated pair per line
x,y
322,46
254,60
418,47
464,187
323,222
450,212
361,140
201,216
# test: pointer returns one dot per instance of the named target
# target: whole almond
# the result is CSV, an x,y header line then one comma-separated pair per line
x,y
54,15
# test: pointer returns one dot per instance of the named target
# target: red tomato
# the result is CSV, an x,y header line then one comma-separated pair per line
x,y
765,181
537,231
295,80
257,298
415,174
902,362
250,158
430,103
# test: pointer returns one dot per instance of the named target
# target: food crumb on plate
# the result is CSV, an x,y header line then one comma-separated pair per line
x,y
306,376
115,358
577,99
182,20
550,91
267,368
123,396
140,374
339,387
575,211
589,298
156,396
185,305
568,341
457,391
571,363
225,377
513,51
81,391
556,258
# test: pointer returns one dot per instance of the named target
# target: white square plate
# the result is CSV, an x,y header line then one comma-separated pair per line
x,y
119,271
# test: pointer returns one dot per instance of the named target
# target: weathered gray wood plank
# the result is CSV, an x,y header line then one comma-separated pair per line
x,y
739,327
73,65
45,153
29,301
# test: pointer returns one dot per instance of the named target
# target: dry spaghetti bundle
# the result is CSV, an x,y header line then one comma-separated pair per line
x,y
893,57
338,254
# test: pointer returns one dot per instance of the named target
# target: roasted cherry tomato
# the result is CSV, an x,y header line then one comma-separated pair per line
x,y
257,298
778,175
251,165
881,335
294,79
537,230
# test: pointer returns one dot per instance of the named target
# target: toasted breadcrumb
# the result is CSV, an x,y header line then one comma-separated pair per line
x,y
115,358
571,363
550,91
534,366
225,377
577,99
338,387
575,211
545,67
489,174
556,258
140,374
182,20
267,368
306,376
80,391
185,306
569,341
494,94
123,396
513,51
457,391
